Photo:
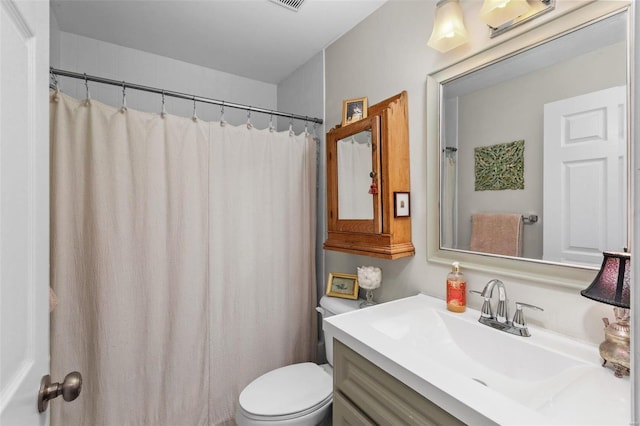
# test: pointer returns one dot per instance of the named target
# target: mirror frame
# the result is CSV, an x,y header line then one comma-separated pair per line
x,y
546,273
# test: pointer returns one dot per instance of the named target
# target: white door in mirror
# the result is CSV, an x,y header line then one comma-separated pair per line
x,y
585,177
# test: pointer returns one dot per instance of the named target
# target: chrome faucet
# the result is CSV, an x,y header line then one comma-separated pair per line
x,y
501,319
487,293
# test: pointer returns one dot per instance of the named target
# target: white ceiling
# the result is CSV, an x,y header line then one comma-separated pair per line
x,y
257,39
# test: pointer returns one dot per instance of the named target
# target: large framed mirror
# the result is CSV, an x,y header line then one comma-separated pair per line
x,y
529,150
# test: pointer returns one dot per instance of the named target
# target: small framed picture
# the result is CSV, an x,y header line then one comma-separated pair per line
x,y
401,204
342,285
353,110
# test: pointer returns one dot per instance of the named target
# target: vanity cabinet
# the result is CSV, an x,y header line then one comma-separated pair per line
x,y
360,220
364,394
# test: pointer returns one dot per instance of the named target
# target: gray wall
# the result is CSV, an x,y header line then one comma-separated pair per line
x,y
383,55
83,54
303,93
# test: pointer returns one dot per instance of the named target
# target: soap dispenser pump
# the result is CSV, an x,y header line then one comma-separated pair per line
x,y
456,289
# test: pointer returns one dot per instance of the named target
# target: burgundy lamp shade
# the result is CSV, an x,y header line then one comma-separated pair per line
x,y
612,284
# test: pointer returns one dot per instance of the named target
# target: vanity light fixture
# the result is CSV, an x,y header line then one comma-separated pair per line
x,y
503,15
449,31
498,12
612,286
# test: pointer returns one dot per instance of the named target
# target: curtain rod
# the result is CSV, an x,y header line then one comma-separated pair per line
x,y
124,84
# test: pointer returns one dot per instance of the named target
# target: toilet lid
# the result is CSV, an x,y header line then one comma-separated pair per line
x,y
287,390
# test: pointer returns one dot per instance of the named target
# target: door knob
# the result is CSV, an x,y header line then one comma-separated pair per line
x,y
69,389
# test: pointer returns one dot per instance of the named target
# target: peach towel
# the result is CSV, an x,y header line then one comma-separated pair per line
x,y
497,233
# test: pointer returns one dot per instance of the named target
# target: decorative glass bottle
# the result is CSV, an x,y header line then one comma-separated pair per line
x,y
369,278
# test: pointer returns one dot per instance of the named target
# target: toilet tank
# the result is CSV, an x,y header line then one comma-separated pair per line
x,y
330,306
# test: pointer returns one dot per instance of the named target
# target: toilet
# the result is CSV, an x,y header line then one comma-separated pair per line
x,y
297,394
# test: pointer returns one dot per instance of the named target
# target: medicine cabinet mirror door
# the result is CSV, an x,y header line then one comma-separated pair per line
x,y
353,177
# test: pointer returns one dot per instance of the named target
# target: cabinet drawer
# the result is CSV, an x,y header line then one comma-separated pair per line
x,y
379,396
345,413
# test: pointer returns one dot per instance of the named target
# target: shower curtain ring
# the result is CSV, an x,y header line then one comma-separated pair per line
x,y
164,110
55,82
195,114
271,128
249,125
86,86
222,122
56,89
291,125
124,97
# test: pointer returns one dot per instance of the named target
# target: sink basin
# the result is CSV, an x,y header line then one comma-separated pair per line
x,y
498,377
527,373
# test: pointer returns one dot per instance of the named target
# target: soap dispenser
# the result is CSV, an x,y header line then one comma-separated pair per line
x,y
456,289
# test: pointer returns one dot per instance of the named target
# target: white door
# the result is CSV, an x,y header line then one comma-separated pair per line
x,y
24,209
585,181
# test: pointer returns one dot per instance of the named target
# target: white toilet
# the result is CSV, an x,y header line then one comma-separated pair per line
x,y
297,394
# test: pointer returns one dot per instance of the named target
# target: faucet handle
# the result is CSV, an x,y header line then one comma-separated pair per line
x,y
486,311
518,318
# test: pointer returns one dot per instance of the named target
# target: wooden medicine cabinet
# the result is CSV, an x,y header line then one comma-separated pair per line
x,y
374,152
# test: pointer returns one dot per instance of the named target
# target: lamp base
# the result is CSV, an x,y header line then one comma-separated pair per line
x,y
615,348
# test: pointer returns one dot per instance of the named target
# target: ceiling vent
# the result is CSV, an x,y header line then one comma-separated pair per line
x,y
289,4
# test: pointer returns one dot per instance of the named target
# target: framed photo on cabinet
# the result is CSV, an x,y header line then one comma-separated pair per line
x,y
342,285
353,110
401,206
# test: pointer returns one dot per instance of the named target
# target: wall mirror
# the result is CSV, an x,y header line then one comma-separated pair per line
x,y
528,142
355,165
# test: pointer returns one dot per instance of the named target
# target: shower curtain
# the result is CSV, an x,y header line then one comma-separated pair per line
x,y
448,222
183,261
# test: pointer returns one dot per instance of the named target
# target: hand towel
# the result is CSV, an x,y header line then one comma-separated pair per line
x,y
497,233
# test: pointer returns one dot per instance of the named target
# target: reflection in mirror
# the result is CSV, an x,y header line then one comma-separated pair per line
x,y
354,167
540,133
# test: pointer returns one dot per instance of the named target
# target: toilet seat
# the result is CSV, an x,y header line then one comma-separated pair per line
x,y
288,392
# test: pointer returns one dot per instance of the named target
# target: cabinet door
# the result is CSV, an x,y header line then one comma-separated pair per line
x,y
353,165
381,397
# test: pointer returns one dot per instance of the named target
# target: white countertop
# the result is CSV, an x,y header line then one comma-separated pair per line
x,y
543,379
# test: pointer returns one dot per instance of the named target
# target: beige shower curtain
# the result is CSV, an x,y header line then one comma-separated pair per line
x,y
262,266
448,210
182,258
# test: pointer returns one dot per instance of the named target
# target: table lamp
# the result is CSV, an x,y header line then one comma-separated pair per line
x,y
612,286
